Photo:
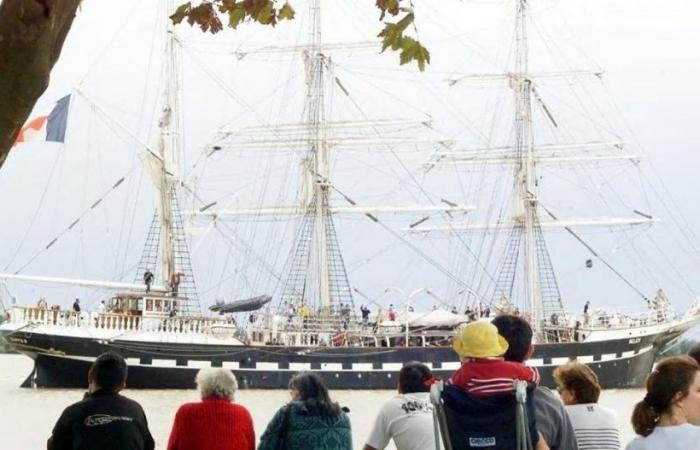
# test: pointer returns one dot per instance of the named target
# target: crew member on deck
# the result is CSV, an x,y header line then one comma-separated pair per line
x,y
365,315
175,282
148,279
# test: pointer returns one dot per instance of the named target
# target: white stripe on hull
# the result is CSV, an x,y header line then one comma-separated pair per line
x,y
358,367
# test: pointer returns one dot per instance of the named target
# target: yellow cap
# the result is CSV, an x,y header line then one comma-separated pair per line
x,y
480,340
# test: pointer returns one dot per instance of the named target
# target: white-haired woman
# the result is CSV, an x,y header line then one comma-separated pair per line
x,y
216,422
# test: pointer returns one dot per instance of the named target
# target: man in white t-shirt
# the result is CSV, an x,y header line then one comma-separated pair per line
x,y
408,417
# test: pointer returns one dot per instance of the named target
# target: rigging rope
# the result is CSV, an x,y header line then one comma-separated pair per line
x,y
36,214
423,191
398,236
594,253
75,222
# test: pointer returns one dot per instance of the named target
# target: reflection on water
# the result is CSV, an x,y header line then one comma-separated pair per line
x,y
27,415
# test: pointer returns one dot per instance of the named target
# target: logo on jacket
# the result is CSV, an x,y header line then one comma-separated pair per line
x,y
482,442
96,420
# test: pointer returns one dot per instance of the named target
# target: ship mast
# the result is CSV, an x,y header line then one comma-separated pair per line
x,y
316,177
166,244
525,208
169,149
316,270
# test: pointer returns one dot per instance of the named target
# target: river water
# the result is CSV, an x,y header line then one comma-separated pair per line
x,y
28,415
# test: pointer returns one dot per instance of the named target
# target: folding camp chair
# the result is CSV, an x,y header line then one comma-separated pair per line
x,y
499,422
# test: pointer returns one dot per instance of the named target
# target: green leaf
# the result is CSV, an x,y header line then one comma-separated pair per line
x,y
181,12
236,16
412,50
266,15
392,33
286,12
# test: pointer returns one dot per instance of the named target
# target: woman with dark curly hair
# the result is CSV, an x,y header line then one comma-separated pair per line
x,y
311,421
672,400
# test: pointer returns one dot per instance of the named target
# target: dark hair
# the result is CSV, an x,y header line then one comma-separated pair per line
x,y
579,379
314,394
694,352
518,333
412,377
671,376
109,371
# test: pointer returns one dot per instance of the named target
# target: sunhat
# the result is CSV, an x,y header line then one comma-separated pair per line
x,y
480,340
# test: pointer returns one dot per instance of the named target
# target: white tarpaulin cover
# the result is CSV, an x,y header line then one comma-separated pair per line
x,y
436,318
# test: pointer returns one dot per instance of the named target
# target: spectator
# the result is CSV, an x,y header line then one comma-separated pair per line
x,y
662,418
311,421
103,420
408,417
552,420
76,305
215,422
483,370
694,353
596,426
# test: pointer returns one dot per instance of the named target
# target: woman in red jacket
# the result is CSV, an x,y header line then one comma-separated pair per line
x,y
215,423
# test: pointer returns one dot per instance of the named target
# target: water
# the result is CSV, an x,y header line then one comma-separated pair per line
x,y
28,415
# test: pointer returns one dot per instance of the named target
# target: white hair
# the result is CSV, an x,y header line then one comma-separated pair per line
x,y
216,382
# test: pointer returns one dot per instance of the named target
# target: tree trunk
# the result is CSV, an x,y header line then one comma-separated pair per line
x,y
32,33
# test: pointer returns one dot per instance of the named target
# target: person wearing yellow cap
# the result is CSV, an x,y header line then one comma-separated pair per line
x,y
484,371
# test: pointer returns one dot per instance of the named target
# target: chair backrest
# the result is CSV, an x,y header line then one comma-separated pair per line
x,y
484,422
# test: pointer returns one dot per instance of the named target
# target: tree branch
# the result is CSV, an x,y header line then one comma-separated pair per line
x,y
32,33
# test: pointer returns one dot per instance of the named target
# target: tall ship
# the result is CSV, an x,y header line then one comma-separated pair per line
x,y
309,315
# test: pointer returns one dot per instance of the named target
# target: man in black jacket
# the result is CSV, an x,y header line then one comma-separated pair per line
x,y
103,420
552,419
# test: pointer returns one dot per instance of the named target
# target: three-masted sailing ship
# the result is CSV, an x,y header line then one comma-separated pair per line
x,y
156,322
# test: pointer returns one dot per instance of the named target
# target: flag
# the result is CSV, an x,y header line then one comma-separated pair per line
x,y
47,127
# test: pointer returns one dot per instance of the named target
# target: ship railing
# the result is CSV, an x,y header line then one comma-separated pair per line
x,y
119,321
44,316
619,318
316,323
353,337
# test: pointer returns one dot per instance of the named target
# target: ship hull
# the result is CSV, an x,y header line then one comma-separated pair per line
x,y
63,361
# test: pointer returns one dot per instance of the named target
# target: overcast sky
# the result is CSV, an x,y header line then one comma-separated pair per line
x,y
648,49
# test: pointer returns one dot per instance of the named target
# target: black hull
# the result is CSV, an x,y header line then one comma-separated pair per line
x,y
62,361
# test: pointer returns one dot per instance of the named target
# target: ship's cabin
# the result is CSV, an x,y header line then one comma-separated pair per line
x,y
150,304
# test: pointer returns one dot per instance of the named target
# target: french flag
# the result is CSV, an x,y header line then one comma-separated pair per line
x,y
47,127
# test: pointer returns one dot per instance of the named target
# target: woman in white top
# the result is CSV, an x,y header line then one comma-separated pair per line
x,y
595,426
672,400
